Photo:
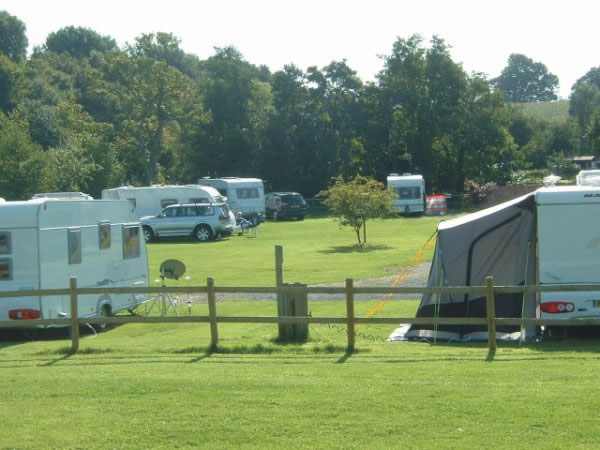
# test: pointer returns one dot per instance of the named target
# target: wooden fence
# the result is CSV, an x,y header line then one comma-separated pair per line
x,y
489,290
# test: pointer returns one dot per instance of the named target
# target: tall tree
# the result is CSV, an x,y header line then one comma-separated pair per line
x,y
9,76
79,42
21,160
524,80
13,40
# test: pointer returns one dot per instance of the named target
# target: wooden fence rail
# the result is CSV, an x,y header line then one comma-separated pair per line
x,y
349,320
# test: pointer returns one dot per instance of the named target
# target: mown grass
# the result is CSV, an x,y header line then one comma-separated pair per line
x,y
315,251
156,386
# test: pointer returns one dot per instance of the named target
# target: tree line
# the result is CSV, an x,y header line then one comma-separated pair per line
x,y
81,113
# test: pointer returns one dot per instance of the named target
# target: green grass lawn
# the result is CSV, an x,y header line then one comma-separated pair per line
x,y
555,111
315,251
154,386
143,386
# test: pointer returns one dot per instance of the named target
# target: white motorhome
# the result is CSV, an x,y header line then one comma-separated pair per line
x,y
244,195
410,193
151,200
44,242
588,178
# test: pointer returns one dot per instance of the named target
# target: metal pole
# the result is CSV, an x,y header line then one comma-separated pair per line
x,y
74,315
490,302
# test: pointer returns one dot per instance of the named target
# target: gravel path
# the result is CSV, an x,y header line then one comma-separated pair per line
x,y
411,276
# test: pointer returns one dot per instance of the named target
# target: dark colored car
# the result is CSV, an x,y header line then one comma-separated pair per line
x,y
285,205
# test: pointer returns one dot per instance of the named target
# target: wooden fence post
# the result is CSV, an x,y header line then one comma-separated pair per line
x,y
74,315
278,265
350,314
212,314
279,286
490,309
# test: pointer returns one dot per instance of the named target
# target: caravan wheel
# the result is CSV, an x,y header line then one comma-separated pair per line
x,y
105,311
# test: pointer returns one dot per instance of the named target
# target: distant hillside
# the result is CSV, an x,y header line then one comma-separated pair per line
x,y
557,111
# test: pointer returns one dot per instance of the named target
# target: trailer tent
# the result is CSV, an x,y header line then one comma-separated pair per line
x,y
498,241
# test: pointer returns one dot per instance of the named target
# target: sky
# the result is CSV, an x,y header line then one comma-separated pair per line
x,y
562,35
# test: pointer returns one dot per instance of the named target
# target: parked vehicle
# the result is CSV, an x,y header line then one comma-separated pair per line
x,y
63,195
285,205
151,200
44,242
204,222
245,195
588,178
436,205
410,193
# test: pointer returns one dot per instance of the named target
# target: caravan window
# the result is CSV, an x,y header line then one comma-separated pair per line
x,y
199,200
5,244
409,193
74,245
104,237
246,193
167,201
131,241
5,269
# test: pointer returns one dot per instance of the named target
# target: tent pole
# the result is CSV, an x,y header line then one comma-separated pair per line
x,y
522,337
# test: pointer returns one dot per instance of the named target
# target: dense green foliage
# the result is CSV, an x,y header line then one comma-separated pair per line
x,y
94,115
524,80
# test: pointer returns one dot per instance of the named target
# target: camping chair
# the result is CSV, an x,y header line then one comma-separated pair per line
x,y
246,226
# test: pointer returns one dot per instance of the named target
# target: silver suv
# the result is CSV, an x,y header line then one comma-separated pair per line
x,y
202,221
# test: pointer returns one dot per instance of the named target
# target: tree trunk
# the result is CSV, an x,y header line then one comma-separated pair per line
x,y
364,231
357,230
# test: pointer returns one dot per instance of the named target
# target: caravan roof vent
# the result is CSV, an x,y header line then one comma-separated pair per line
x,y
394,175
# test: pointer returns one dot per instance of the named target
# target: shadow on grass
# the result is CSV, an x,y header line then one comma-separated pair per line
x,y
186,240
356,249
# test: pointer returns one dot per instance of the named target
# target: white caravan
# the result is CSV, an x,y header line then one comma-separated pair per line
x,y
548,237
410,193
44,242
568,249
151,200
64,195
244,195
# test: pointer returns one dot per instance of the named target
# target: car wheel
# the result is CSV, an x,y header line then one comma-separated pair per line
x,y
203,233
148,234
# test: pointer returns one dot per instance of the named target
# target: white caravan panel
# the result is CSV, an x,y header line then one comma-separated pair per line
x,y
569,250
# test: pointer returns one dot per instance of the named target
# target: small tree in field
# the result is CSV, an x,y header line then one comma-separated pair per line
x,y
354,202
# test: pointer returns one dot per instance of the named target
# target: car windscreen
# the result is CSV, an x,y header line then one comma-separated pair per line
x,y
293,199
